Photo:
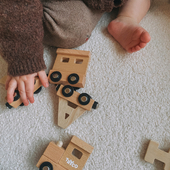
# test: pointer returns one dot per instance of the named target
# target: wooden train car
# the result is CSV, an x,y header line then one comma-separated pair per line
x,y
70,67
55,157
72,104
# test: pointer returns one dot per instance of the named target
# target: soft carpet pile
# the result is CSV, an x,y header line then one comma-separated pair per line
x,y
133,92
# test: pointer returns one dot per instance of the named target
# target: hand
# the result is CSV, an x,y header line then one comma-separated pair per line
x,y
25,86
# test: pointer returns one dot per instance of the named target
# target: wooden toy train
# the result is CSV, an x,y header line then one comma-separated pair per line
x,y
55,157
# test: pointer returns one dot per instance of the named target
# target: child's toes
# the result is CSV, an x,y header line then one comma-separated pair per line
x,y
137,48
142,45
145,37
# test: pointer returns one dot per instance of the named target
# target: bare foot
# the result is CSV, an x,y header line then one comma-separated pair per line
x,y
128,33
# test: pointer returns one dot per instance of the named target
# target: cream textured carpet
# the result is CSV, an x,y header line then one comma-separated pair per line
x,y
133,91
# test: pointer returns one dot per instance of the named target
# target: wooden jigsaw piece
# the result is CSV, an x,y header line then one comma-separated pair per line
x,y
72,105
153,153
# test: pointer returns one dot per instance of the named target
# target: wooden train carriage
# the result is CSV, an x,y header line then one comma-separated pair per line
x,y
57,158
70,67
72,104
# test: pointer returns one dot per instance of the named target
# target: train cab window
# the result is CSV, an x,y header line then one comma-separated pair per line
x,y
79,61
65,60
77,153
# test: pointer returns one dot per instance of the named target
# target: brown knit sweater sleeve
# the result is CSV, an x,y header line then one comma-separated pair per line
x,y
104,5
21,35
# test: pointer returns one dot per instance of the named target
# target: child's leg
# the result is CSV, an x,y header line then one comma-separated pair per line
x,y
126,29
68,24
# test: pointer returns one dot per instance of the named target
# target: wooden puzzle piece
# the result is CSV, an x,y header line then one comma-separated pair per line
x,y
74,157
72,105
70,67
153,152
17,100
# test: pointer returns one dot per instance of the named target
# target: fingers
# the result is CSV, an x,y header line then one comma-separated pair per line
x,y
29,89
12,85
22,92
25,86
7,82
43,78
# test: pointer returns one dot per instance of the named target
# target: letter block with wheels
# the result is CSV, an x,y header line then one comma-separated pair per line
x,y
57,158
76,154
17,101
72,105
70,67
153,153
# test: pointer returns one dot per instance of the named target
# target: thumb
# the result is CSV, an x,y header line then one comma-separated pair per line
x,y
43,78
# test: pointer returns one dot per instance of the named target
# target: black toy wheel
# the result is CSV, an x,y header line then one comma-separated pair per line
x,y
8,105
84,99
57,87
38,90
46,165
17,96
73,78
22,104
95,104
67,91
76,88
55,76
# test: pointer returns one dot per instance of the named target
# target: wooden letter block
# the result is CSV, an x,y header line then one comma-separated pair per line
x,y
76,154
70,67
46,159
54,152
72,105
74,157
153,153
52,155
66,114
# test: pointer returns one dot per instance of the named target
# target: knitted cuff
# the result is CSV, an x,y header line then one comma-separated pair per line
x,y
21,36
26,66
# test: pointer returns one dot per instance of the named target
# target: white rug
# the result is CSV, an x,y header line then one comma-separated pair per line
x,y
133,91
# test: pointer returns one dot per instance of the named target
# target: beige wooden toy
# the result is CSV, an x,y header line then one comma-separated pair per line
x,y
153,153
72,105
57,158
17,100
3,80
70,67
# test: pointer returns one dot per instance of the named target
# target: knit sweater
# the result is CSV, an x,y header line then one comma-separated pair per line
x,y
21,33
